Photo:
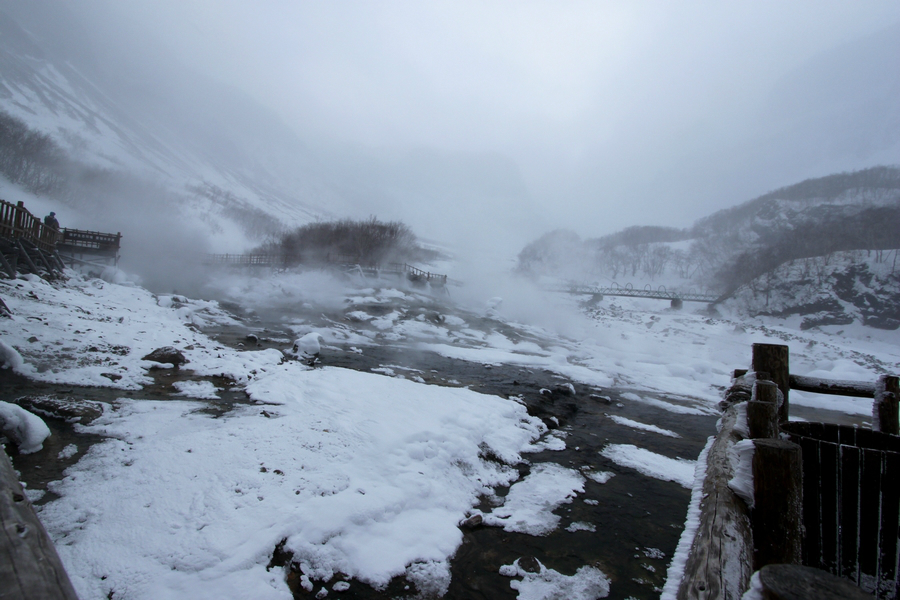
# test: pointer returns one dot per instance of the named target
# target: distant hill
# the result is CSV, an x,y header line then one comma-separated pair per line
x,y
749,246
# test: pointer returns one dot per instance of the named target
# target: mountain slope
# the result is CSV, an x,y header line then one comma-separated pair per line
x,y
843,229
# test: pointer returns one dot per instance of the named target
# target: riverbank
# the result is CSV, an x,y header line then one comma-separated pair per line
x,y
417,402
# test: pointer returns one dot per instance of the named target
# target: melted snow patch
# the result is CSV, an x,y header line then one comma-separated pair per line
x,y
588,583
529,506
651,464
643,426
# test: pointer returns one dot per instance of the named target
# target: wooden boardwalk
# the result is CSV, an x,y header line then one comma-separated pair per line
x,y
27,245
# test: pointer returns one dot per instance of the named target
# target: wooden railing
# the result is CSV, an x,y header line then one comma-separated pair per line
x,y
816,494
17,223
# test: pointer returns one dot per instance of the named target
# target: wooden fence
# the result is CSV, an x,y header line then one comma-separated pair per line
x,y
816,494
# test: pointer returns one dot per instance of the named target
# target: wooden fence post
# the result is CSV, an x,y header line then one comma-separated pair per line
x,y
774,359
885,410
777,503
762,411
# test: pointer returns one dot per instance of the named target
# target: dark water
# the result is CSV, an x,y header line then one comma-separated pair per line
x,y
638,519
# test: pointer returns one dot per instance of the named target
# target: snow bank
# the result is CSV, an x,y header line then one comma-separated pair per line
x,y
361,474
9,357
26,430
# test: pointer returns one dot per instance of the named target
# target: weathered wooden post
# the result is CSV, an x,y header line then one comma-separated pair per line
x,y
777,503
762,411
885,411
774,359
19,220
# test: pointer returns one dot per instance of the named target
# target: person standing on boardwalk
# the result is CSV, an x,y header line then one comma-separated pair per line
x,y
52,224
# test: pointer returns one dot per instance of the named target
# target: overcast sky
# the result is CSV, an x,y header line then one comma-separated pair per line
x,y
615,113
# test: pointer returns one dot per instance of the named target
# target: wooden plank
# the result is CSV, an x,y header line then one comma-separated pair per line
x,y
812,491
29,565
849,512
869,518
829,481
890,526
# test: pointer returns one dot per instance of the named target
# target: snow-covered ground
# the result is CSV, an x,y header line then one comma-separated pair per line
x,y
360,476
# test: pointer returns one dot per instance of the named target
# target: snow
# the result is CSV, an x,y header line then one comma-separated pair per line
x,y
28,431
528,506
692,522
643,426
651,464
9,357
588,583
364,483
600,476
741,457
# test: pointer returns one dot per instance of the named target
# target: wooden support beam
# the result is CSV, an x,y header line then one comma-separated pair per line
x,y
778,503
23,253
29,565
774,359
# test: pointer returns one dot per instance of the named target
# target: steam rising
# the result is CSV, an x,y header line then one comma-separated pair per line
x,y
479,125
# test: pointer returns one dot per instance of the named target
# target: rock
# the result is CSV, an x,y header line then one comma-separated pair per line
x,y
167,354
309,344
530,564
111,376
253,339
73,410
472,522
564,389
599,398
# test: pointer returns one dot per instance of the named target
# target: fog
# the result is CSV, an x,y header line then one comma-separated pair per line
x,y
485,124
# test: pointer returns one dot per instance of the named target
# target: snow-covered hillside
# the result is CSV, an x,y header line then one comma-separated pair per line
x,y
816,224
199,153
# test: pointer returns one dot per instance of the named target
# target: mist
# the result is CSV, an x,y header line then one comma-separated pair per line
x,y
485,125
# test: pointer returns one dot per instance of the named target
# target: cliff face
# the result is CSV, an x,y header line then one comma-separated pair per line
x,y
844,288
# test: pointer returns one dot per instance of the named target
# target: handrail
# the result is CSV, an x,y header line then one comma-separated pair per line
x,y
17,223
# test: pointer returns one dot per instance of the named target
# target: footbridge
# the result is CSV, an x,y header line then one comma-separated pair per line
x,y
675,296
